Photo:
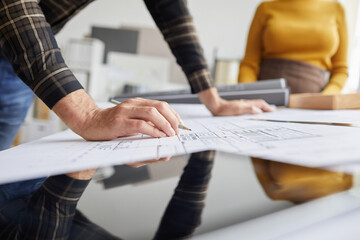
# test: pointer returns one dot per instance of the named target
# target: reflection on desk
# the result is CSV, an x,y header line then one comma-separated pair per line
x,y
298,184
214,191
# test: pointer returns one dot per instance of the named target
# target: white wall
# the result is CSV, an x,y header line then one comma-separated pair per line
x,y
107,13
223,24
352,9
220,23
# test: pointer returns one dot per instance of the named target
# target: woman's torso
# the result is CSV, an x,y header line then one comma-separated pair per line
x,y
304,30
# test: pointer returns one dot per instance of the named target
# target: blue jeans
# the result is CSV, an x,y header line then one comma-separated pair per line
x,y
15,100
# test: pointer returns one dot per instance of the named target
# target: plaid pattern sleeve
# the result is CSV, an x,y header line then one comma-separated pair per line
x,y
58,13
28,43
48,214
52,208
183,213
174,21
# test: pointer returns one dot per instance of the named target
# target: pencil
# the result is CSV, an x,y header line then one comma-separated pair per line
x,y
114,101
180,125
183,127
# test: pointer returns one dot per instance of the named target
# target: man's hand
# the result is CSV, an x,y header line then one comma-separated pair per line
x,y
143,163
131,117
82,175
221,107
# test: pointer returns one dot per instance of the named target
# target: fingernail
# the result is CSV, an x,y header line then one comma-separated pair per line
x,y
162,134
177,129
172,132
257,110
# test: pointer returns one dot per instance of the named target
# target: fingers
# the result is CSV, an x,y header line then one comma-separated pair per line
x,y
245,108
163,108
152,115
171,116
82,175
142,163
254,110
256,106
239,107
141,126
261,104
178,118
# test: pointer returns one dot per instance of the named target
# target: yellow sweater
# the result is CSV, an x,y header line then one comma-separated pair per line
x,y
312,31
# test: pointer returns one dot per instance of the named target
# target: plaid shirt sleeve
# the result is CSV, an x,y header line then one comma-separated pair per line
x,y
175,23
27,41
58,13
49,213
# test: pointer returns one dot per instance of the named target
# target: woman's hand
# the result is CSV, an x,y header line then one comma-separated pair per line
x,y
221,107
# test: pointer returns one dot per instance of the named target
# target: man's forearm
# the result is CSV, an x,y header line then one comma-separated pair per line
x,y
210,98
75,109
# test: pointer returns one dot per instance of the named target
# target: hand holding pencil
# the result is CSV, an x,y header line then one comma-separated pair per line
x,y
159,116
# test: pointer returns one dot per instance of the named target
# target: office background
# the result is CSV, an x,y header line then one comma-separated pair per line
x,y
221,25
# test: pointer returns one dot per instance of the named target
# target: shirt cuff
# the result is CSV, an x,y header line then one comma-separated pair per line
x,y
65,189
55,83
200,80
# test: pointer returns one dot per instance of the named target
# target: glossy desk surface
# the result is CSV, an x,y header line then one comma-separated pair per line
x,y
216,195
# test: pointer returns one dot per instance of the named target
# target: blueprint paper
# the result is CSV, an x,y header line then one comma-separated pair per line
x,y
301,144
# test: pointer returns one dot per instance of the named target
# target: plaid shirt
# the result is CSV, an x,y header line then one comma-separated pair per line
x,y
27,40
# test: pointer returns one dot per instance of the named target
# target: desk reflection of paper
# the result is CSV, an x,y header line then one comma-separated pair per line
x,y
302,144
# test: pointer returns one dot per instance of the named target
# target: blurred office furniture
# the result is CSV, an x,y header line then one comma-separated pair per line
x,y
39,122
84,58
226,71
325,102
136,60
116,40
147,73
151,42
